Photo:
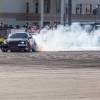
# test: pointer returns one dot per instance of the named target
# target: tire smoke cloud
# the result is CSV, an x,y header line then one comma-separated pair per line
x,y
65,38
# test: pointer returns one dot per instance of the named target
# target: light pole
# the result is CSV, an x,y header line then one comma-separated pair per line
x,y
69,12
97,13
42,13
62,12
27,12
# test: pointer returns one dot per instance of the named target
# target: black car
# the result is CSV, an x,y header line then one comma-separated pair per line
x,y
19,42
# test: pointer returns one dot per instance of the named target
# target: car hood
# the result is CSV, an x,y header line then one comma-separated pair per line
x,y
18,39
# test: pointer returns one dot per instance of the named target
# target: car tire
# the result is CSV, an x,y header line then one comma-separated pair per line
x,y
28,48
4,50
34,48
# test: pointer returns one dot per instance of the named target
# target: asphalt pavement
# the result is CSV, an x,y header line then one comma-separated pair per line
x,y
50,76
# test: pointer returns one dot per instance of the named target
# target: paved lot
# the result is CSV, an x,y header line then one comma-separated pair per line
x,y
50,76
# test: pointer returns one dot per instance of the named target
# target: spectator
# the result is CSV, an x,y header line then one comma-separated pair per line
x,y
17,26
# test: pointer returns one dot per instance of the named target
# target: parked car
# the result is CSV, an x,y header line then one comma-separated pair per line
x,y
21,41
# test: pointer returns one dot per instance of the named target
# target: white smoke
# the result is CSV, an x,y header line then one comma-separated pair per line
x,y
65,38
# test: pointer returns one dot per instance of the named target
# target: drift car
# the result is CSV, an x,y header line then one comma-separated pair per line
x,y
21,41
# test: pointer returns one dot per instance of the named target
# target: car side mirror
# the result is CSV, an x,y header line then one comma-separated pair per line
x,y
29,37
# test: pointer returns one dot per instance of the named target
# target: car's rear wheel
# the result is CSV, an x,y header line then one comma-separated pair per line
x,y
34,48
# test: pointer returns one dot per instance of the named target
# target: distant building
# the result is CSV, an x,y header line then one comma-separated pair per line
x,y
83,10
43,12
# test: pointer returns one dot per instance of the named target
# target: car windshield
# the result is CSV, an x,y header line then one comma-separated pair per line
x,y
19,35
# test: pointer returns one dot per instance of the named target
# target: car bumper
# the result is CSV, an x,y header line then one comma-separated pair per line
x,y
17,48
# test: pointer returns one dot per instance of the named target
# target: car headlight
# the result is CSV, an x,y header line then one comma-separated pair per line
x,y
22,42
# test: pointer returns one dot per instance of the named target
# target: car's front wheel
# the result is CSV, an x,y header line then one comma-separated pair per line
x,y
28,48
4,50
